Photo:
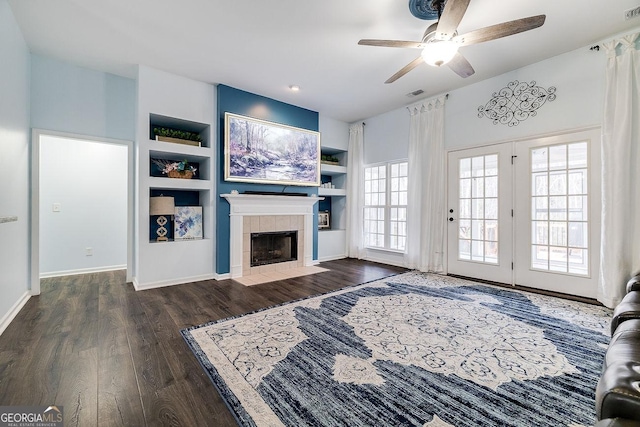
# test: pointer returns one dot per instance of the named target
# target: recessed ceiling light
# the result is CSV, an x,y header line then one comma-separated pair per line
x,y
294,88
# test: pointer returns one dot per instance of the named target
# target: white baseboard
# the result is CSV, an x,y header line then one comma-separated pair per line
x,y
396,260
161,284
82,271
332,258
13,311
223,276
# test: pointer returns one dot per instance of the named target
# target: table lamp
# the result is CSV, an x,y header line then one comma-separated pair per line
x,y
161,206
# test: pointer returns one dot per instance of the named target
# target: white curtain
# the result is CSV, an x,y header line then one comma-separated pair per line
x,y
426,216
355,191
620,251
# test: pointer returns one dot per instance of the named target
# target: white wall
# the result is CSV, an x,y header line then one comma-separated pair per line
x,y
89,182
333,133
14,162
81,101
386,137
578,77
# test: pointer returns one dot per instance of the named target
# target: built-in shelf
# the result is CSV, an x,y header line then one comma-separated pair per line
x,y
172,241
202,129
332,241
179,184
332,170
332,244
169,151
332,192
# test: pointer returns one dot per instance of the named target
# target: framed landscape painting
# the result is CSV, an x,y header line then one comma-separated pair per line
x,y
264,152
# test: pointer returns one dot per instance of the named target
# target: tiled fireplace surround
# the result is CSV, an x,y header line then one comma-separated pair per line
x,y
253,213
266,223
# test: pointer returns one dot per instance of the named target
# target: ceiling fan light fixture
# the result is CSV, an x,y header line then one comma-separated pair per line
x,y
438,52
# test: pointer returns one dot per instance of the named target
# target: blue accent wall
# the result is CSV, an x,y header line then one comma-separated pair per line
x,y
231,100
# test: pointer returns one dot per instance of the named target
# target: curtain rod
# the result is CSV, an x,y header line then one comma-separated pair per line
x,y
422,101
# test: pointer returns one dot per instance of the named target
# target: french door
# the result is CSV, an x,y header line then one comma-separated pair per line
x,y
545,231
480,239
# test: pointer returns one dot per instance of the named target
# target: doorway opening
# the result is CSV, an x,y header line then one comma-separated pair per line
x,y
82,205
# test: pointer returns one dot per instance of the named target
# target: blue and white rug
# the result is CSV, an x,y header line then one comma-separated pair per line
x,y
410,350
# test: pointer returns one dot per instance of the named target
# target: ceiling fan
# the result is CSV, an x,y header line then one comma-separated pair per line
x,y
441,40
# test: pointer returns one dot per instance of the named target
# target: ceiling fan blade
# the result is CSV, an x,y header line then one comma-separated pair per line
x,y
391,43
451,16
461,66
500,30
410,66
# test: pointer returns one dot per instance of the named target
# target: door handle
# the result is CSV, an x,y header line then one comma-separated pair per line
x,y
451,219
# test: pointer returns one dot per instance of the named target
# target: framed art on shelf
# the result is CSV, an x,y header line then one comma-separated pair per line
x,y
323,220
264,152
188,223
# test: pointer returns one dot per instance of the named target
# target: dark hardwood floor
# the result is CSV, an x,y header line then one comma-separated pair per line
x,y
114,356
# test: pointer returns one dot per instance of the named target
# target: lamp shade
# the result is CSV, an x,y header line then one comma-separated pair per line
x,y
438,52
161,205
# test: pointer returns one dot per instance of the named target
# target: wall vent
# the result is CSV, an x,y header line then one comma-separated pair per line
x,y
415,93
632,13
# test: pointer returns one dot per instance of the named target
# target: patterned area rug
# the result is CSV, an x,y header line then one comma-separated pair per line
x,y
410,350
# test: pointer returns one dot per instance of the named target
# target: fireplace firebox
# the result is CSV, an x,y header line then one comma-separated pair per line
x,y
273,247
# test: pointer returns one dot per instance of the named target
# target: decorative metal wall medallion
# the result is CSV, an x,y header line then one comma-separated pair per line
x,y
516,102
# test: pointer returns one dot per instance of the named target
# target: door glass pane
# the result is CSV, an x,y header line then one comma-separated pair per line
x,y
491,186
491,208
540,208
539,160
465,168
577,208
578,259
491,231
477,190
558,157
558,208
477,229
477,208
465,188
558,183
578,181
540,233
540,184
465,229
559,226
491,252
578,155
478,205
540,257
465,208
464,249
491,165
477,253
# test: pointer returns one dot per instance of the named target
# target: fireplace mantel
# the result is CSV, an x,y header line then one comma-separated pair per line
x,y
242,205
265,204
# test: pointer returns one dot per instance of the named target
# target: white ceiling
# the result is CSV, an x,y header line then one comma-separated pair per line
x,y
265,46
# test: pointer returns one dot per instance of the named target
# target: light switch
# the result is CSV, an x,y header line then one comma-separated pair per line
x,y
56,207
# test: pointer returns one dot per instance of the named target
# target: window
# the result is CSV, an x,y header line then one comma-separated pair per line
x,y
559,223
385,206
478,201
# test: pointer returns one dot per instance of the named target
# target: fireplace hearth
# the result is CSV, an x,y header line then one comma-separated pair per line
x,y
273,247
